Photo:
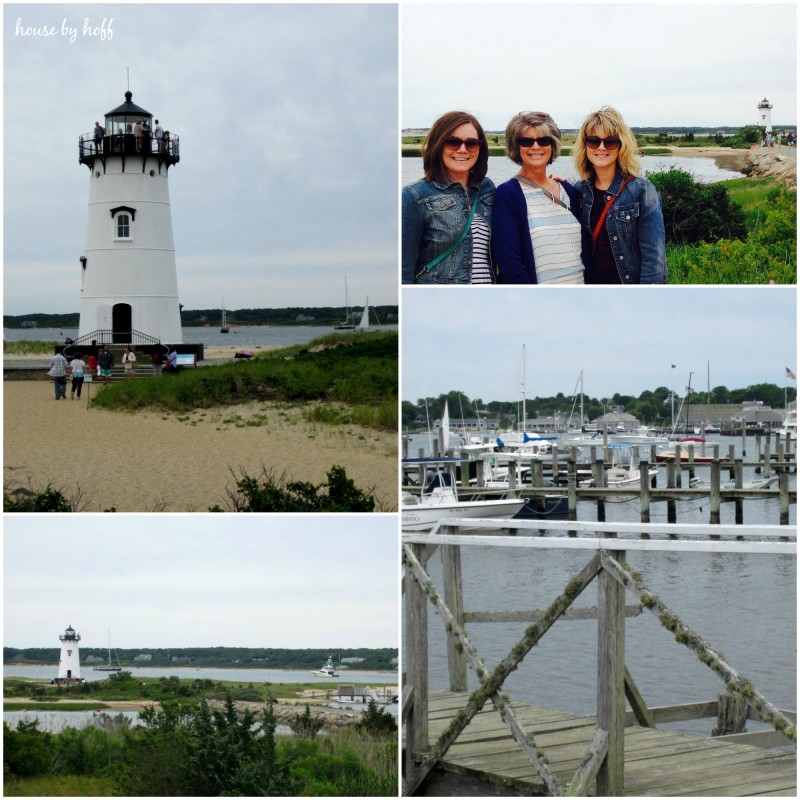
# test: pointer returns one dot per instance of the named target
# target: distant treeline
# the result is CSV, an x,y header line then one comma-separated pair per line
x,y
241,657
385,315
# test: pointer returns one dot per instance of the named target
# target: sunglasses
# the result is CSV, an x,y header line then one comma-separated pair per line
x,y
542,141
610,142
455,143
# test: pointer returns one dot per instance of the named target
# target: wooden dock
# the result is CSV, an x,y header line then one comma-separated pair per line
x,y
657,762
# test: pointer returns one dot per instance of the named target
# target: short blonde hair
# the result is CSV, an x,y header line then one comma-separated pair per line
x,y
611,121
531,119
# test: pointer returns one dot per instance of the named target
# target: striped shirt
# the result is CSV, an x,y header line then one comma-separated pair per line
x,y
555,236
481,259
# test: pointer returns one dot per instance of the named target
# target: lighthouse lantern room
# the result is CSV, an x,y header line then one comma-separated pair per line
x,y
69,664
129,285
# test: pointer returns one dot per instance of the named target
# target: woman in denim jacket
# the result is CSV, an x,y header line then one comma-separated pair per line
x,y
447,216
629,244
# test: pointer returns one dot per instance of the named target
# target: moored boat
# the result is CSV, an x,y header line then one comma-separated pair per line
x,y
326,670
438,499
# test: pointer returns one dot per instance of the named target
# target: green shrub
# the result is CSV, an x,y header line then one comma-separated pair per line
x,y
26,749
305,726
768,255
271,493
696,212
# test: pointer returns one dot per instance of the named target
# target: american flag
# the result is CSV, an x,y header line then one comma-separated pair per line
x,y
790,375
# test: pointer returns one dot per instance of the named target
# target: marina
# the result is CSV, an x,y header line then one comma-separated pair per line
x,y
687,477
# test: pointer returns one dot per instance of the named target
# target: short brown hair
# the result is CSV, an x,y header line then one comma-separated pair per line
x,y
433,146
531,119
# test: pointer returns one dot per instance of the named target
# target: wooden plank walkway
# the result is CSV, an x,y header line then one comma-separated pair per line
x,y
657,762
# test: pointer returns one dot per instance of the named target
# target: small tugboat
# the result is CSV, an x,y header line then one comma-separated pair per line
x,y
327,670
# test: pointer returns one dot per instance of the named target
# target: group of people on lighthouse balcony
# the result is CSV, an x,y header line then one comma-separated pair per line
x,y
141,131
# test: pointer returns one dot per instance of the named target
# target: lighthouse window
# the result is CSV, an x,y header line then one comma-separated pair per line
x,y
123,226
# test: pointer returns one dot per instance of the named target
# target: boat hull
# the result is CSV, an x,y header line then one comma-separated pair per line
x,y
423,518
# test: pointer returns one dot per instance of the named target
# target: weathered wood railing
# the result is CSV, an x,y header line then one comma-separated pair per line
x,y
604,759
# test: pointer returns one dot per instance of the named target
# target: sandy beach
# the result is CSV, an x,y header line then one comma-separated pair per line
x,y
724,157
153,461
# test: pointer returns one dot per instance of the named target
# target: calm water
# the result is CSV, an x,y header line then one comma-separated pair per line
x,y
744,605
271,336
502,168
247,675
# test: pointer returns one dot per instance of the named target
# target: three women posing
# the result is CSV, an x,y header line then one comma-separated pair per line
x,y
607,228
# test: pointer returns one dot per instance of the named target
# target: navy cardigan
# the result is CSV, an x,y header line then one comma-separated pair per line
x,y
512,250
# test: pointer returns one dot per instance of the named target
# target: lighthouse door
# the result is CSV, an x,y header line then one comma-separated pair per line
x,y
121,323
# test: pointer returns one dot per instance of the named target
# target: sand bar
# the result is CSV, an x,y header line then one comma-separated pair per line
x,y
153,461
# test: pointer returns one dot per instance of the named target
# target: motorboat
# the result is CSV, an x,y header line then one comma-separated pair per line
x,y
437,497
326,670
760,483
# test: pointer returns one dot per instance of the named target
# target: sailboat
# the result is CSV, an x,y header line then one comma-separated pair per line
x,y
347,325
224,326
364,324
110,666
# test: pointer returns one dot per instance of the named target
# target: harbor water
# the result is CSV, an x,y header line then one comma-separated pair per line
x,y
743,605
502,169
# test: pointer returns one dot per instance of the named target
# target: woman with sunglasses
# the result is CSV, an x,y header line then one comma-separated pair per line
x,y
447,216
536,238
620,211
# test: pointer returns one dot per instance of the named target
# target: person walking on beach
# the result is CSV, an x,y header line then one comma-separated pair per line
x,y
58,372
619,210
76,368
105,361
128,362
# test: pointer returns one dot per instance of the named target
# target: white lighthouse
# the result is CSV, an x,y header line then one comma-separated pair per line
x,y
69,664
765,114
129,283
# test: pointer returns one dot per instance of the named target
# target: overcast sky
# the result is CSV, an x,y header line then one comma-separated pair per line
x,y
287,119
625,340
681,64
210,580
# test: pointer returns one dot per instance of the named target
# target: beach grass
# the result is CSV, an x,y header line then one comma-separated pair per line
x,y
29,347
359,371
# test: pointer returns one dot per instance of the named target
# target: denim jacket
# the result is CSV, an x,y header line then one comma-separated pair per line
x,y
434,217
635,228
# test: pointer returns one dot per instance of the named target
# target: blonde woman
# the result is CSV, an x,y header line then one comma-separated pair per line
x,y
620,211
